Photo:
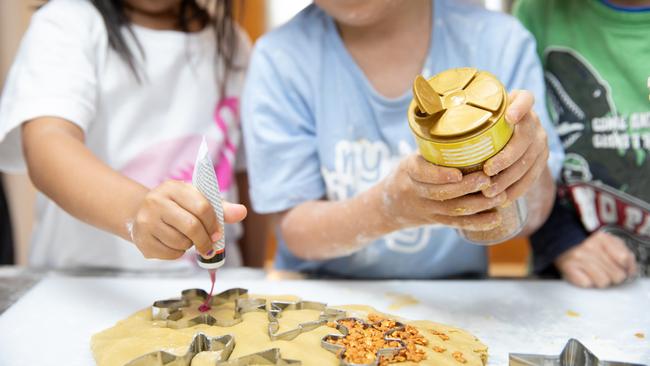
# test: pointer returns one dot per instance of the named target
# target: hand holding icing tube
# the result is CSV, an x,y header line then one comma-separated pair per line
x,y
205,181
175,216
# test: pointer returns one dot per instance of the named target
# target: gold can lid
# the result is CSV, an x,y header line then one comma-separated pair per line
x,y
458,102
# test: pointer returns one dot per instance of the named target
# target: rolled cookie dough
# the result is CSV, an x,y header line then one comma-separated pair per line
x,y
139,334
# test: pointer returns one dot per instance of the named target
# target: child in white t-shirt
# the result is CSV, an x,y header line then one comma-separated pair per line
x,y
109,101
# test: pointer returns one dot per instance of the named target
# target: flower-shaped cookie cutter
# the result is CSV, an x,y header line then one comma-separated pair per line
x,y
326,342
171,310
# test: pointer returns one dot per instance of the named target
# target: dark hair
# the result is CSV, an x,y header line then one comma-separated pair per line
x,y
216,13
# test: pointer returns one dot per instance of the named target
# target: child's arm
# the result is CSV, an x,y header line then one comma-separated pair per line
x,y
162,223
420,193
417,193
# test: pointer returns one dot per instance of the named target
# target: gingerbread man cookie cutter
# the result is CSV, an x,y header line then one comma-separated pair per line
x,y
339,350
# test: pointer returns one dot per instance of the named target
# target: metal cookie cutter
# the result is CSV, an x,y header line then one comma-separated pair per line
x,y
268,357
573,354
340,350
277,307
224,345
171,310
200,343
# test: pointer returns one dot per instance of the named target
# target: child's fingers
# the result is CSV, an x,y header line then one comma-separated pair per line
x,y
597,262
189,225
517,170
578,277
631,267
233,212
193,201
617,250
471,183
478,222
520,187
514,149
615,272
469,204
162,251
596,272
172,237
423,171
520,104
152,248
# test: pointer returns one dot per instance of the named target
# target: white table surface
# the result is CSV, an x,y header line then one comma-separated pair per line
x,y
52,324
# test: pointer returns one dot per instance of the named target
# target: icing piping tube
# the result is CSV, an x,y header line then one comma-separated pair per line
x,y
205,180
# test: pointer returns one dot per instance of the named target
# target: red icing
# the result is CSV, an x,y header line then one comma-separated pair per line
x,y
206,304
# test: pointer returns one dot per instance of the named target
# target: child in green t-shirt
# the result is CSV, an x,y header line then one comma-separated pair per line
x,y
595,55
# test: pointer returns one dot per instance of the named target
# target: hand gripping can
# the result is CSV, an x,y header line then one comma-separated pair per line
x,y
458,119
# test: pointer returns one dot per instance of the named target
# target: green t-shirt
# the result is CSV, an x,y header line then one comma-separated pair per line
x,y
597,66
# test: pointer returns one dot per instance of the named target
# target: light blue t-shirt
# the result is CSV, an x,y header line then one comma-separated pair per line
x,y
315,128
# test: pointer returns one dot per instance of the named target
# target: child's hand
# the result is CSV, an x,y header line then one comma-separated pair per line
x,y
600,261
520,163
174,216
420,193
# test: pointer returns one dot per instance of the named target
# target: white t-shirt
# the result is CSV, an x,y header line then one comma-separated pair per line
x,y
150,131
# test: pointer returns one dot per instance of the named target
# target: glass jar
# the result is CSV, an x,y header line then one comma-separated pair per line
x,y
513,218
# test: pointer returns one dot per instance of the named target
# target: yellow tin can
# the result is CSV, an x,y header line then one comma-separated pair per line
x,y
469,125
458,119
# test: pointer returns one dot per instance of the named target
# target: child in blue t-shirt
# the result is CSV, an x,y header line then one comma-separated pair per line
x,y
330,153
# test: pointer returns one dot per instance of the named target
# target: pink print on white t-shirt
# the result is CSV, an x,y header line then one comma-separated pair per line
x,y
174,159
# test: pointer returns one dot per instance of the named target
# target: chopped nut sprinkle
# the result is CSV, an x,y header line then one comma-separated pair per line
x,y
439,349
458,356
363,342
441,335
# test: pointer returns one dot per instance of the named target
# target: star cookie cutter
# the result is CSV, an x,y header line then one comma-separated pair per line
x,y
340,350
277,307
573,354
